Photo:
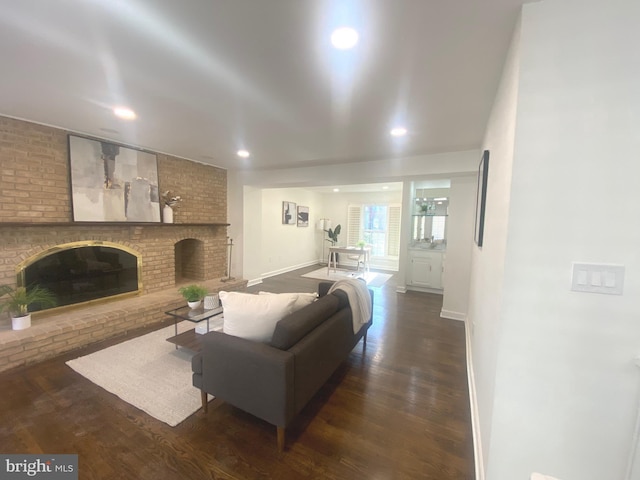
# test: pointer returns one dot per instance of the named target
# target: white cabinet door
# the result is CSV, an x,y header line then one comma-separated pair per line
x,y
425,269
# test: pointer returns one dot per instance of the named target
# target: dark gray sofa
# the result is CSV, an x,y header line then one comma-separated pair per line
x,y
275,381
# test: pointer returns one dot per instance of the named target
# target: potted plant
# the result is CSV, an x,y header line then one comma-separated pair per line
x,y
333,235
193,294
17,300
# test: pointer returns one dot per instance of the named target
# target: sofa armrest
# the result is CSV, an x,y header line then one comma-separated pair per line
x,y
252,376
323,288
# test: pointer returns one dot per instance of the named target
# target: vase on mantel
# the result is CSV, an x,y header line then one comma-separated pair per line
x,y
167,214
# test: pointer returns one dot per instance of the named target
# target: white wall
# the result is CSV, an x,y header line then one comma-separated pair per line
x,y
457,264
564,396
272,246
487,263
243,217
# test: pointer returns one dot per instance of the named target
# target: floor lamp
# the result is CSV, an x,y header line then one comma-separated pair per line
x,y
324,224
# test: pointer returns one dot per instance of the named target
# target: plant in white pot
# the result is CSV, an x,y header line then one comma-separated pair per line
x,y
17,300
193,294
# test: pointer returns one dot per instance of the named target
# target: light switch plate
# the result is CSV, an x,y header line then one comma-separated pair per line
x,y
597,278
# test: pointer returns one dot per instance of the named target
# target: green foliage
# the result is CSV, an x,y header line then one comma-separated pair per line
x,y
17,300
333,234
193,293
361,244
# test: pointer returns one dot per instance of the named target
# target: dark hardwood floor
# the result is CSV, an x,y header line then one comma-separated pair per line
x,y
400,411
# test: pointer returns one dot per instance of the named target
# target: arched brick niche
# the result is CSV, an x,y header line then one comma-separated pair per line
x,y
189,260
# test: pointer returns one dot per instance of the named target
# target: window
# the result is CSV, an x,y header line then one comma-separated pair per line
x,y
437,228
376,225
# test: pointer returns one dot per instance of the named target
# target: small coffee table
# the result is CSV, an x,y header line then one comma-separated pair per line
x,y
190,339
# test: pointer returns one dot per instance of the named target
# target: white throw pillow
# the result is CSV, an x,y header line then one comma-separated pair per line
x,y
302,299
254,317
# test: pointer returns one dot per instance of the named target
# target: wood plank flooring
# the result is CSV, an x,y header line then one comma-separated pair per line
x,y
400,411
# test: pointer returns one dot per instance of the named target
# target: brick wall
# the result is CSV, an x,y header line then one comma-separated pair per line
x,y
35,189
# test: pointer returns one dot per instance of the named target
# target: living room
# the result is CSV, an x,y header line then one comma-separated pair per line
x,y
554,381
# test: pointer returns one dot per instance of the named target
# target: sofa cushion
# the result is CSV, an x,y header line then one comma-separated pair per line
x,y
254,316
295,326
302,299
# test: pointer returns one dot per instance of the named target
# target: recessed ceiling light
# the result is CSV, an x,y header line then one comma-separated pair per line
x,y
124,113
398,131
243,153
385,187
336,189
344,38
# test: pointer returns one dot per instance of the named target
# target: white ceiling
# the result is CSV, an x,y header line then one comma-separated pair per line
x,y
207,77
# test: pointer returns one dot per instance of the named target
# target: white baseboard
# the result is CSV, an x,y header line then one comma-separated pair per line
x,y
437,291
288,269
255,281
401,289
473,404
453,315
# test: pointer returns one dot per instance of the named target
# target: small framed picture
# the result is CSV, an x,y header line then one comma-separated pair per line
x,y
288,213
303,216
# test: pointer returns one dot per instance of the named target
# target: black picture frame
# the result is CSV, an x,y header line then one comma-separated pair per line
x,y
481,198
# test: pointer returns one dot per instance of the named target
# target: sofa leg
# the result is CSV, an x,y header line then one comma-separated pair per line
x,y
364,342
205,403
280,439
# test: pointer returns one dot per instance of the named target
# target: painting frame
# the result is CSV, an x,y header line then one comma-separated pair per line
x,y
111,182
289,213
481,198
303,216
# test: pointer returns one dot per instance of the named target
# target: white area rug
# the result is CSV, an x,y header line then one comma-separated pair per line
x,y
147,372
374,279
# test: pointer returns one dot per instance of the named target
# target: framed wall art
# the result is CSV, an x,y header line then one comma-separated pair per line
x,y
303,216
481,197
112,183
288,213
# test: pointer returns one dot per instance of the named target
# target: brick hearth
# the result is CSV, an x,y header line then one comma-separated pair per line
x,y
73,329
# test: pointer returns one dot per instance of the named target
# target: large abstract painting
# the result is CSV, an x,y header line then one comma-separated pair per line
x,y
112,183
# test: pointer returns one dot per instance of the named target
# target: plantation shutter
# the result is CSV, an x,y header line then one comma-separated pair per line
x,y
393,230
354,223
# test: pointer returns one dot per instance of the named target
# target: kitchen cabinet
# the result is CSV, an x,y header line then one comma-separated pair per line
x,y
425,268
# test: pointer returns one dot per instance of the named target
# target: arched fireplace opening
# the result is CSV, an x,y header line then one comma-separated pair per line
x,y
81,272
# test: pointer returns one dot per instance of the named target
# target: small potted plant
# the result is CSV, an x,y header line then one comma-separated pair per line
x,y
333,235
193,294
17,300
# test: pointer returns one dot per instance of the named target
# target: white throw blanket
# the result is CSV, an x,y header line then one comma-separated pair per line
x,y
359,300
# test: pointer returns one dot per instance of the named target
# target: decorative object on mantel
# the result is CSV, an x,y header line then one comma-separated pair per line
x,y
193,294
228,278
17,302
170,201
112,183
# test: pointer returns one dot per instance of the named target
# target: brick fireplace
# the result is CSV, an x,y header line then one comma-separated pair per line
x,y
35,216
